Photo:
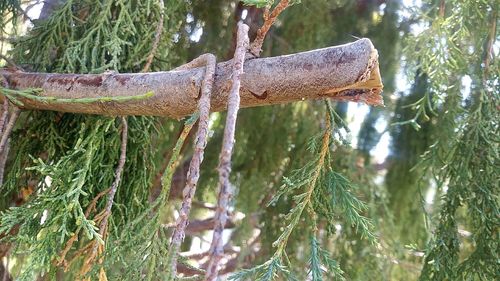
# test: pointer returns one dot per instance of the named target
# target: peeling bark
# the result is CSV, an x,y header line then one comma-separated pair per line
x,y
347,72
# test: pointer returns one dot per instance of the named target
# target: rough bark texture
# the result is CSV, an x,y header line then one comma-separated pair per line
x,y
346,72
193,173
225,189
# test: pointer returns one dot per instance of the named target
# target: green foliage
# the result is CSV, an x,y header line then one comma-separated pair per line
x,y
94,36
321,258
79,153
265,3
259,3
318,190
335,197
34,94
9,13
463,166
473,182
47,220
145,236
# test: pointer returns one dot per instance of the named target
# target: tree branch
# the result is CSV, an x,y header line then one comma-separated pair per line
x,y
156,42
269,19
348,72
225,188
193,173
8,129
97,248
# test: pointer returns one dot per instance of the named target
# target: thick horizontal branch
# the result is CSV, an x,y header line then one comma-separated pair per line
x,y
347,72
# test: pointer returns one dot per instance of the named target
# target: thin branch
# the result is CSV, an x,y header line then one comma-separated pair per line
x,y
74,237
310,190
225,188
8,129
156,42
488,51
269,19
3,161
5,113
193,173
32,95
5,131
118,174
10,62
103,217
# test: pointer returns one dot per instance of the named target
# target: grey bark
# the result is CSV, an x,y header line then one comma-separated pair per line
x,y
348,72
201,140
225,195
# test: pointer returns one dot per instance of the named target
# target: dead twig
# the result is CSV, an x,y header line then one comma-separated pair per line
x,y
349,72
193,173
103,217
118,174
10,62
225,188
74,237
5,113
156,42
3,161
269,19
8,129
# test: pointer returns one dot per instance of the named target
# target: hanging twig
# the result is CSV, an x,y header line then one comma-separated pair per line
x,y
5,135
5,105
74,237
10,62
8,129
118,176
488,48
156,42
5,113
269,19
225,188
194,166
103,217
3,161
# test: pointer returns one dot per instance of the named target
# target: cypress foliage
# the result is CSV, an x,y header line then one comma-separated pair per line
x,y
313,207
463,166
78,153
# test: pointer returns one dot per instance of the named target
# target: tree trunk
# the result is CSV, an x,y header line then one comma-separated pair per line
x,y
347,72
